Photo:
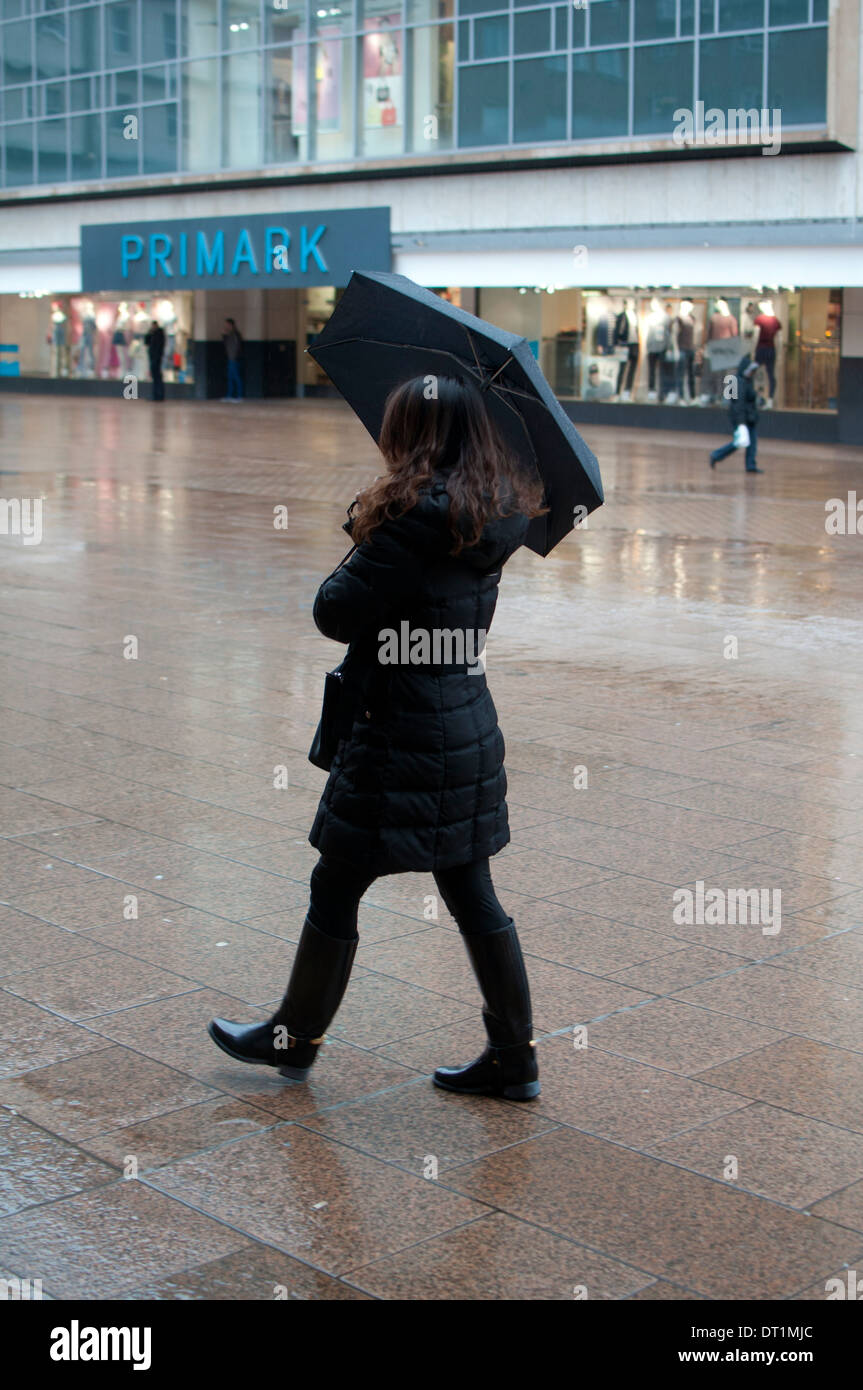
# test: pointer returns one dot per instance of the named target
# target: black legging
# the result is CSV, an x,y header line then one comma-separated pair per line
x,y
467,890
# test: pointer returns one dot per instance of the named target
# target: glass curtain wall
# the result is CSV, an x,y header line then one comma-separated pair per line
x,y
139,88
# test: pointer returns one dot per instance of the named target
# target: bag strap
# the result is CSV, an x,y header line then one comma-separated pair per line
x,y
343,561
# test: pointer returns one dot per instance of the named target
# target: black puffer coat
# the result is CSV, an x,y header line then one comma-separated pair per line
x,y
418,781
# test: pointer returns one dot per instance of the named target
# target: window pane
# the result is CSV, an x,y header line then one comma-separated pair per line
x,y
491,37
54,99
707,17
159,139
84,55
121,35
731,72
382,95
280,26
334,95
242,20
532,32
123,88
85,134
432,56
663,82
84,94
480,6
121,152
579,28
819,10
19,154
797,75
15,108
154,86
600,94
51,45
540,99
159,36
687,16
561,28
483,105
418,11
609,21
17,53
789,11
656,19
284,67
199,28
51,152
740,14
241,96
200,116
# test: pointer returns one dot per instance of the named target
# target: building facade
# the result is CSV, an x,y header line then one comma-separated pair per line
x,y
643,188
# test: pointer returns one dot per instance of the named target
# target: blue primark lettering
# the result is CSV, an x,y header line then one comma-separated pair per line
x,y
308,247
127,254
274,238
244,255
158,255
211,263
183,239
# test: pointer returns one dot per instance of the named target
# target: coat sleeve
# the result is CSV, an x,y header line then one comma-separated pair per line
x,y
381,576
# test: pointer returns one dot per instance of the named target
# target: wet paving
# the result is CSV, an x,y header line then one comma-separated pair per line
x,y
679,688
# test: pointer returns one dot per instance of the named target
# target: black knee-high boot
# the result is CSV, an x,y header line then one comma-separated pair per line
x,y
291,1038
508,1066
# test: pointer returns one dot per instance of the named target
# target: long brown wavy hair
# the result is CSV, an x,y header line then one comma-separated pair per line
x,y
451,433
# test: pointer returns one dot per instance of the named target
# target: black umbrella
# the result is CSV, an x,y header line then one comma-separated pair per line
x,y
385,330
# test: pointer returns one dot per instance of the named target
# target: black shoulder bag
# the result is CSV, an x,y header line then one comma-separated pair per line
x,y
329,730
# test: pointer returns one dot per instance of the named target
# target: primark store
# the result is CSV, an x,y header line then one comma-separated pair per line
x,y
644,189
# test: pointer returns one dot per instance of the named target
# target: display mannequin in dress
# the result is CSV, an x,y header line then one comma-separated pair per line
x,y
722,324
766,344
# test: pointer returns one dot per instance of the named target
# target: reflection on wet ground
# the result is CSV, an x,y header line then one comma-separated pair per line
x,y
693,655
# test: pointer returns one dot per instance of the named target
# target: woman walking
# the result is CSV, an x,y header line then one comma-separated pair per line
x,y
417,782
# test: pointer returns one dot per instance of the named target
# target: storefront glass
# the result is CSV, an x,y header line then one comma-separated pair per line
x,y
677,346
96,336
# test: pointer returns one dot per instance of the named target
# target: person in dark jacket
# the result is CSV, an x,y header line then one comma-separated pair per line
x,y
155,344
233,341
743,409
417,782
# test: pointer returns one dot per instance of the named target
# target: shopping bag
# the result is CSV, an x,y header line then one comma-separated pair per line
x,y
741,437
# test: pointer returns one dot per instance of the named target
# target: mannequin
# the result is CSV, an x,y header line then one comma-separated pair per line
x,y
626,336
120,339
769,329
59,344
722,324
748,330
140,327
604,332
658,342
86,347
684,342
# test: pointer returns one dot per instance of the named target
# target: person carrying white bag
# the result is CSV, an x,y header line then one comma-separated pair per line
x,y
743,410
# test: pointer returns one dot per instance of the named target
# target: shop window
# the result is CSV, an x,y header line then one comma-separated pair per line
x,y
282,25
609,21
740,14
540,100
51,152
656,19
431,53
797,75
491,37
241,98
84,54
600,94
788,12
85,147
663,82
159,139
483,104
286,75
159,36
19,144
382,104
17,54
730,72
241,23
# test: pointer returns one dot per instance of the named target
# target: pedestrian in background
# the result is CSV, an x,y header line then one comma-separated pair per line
x,y
233,340
155,344
743,409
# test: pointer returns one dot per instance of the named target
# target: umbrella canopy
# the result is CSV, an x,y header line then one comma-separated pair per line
x,y
386,329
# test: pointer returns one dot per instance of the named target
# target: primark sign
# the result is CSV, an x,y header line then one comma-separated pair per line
x,y
263,251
